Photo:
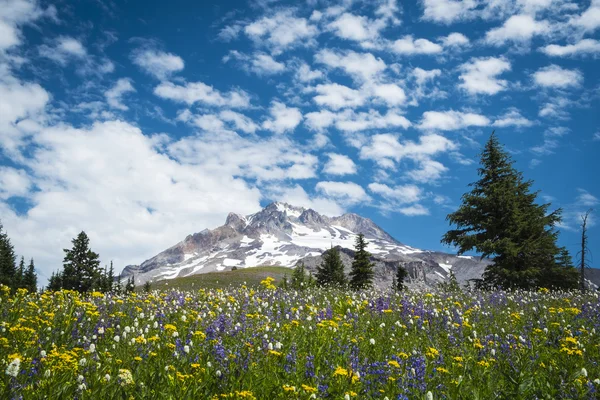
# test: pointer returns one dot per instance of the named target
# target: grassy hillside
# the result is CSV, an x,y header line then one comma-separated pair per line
x,y
250,277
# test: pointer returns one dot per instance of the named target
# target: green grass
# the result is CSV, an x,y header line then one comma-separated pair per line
x,y
250,277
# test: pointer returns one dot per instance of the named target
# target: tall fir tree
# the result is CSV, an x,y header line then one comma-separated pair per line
x,y
55,281
500,219
111,278
401,274
8,267
19,275
81,272
30,278
331,270
299,279
361,275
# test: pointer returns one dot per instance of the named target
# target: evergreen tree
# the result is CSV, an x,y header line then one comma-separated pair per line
x,y
19,275
361,275
130,286
8,259
147,287
500,219
111,278
299,280
401,274
30,278
331,270
55,281
81,272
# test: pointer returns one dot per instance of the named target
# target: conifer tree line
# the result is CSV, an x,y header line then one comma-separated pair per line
x,y
15,276
81,271
501,220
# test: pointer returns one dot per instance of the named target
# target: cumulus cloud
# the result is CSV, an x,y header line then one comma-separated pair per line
x,y
296,195
336,96
351,121
114,95
259,63
339,164
582,47
447,11
357,28
306,74
400,194
13,182
512,118
554,76
589,20
157,63
63,50
281,31
361,66
199,92
283,118
480,75
346,193
386,150
518,28
455,39
407,45
451,120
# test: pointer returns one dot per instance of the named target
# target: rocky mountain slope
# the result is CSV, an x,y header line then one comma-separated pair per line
x,y
283,235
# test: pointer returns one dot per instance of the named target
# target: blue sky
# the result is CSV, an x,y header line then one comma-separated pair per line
x,y
142,122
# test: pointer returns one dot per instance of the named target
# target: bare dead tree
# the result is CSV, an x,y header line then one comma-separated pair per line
x,y
584,248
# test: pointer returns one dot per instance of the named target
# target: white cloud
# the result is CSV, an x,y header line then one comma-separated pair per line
x,y
259,63
346,193
480,75
284,118
63,50
447,11
414,210
512,118
199,92
451,120
545,148
401,194
21,103
518,28
351,121
115,94
157,63
336,96
339,164
584,46
596,136
392,94
554,76
13,182
306,74
409,46
361,66
297,196
239,121
386,149
589,20
281,31
14,14
585,198
358,28
455,39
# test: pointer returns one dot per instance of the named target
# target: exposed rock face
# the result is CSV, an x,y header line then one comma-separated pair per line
x,y
281,234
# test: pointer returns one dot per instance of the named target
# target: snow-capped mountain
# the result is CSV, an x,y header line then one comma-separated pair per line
x,y
283,235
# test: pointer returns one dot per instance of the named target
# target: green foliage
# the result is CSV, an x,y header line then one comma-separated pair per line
x,y
147,287
361,275
130,285
401,274
81,272
299,278
499,218
331,270
450,285
8,267
30,278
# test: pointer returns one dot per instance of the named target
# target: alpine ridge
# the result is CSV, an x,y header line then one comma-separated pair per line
x,y
282,234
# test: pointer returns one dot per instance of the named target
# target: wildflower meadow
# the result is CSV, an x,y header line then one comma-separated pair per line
x,y
270,343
